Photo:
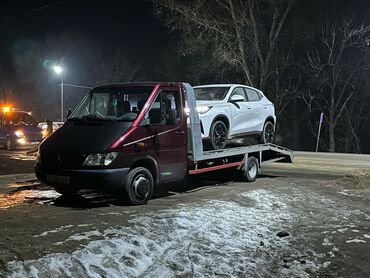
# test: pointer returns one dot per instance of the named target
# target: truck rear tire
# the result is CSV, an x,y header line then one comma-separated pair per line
x,y
138,186
250,170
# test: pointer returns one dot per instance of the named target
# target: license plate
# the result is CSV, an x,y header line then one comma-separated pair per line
x,y
58,179
34,143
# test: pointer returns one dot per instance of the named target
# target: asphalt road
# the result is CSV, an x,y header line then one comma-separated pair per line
x,y
212,226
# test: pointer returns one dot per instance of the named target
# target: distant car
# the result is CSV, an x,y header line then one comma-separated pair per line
x,y
229,111
18,129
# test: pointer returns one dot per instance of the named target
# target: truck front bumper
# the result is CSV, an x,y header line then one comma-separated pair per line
x,y
103,179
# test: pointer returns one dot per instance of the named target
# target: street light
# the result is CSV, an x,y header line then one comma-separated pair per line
x,y
59,71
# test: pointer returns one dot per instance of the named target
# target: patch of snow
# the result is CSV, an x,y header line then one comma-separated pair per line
x,y
210,239
80,237
57,230
366,236
326,242
342,230
345,192
355,240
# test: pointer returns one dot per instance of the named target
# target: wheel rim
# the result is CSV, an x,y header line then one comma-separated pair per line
x,y
219,135
252,170
141,185
268,133
8,144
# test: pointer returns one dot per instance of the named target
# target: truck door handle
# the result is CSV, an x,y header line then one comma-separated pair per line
x,y
179,132
249,107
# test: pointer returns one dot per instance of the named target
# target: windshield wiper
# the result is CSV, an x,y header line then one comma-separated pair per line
x,y
93,117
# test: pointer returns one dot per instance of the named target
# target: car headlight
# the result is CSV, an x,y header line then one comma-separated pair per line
x,y
203,109
100,159
19,133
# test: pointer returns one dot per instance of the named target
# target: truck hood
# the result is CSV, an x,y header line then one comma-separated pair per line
x,y
84,137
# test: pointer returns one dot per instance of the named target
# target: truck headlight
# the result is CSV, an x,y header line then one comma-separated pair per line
x,y
100,159
19,133
203,109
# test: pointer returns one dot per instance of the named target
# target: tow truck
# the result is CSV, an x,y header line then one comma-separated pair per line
x,y
132,137
18,129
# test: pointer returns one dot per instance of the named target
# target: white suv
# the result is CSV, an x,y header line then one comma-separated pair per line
x,y
229,111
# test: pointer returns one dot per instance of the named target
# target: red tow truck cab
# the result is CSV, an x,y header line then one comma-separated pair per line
x,y
131,137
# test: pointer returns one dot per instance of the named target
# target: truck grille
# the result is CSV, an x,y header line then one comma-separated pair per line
x,y
62,160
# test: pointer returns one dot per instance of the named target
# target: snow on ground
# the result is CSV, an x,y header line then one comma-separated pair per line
x,y
214,238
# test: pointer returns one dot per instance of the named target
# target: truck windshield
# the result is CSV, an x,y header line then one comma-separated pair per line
x,y
211,93
114,103
18,118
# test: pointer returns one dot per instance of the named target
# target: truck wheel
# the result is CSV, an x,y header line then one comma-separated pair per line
x,y
250,170
9,144
268,133
138,186
65,190
218,135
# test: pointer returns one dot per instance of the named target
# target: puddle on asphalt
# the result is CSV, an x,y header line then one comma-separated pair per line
x,y
32,191
26,196
28,155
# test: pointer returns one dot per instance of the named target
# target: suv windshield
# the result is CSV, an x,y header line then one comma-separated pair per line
x,y
211,93
18,118
115,103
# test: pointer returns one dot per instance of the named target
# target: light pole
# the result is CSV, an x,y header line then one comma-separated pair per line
x,y
59,71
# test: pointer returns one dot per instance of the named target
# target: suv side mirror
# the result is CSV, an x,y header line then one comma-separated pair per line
x,y
236,98
69,112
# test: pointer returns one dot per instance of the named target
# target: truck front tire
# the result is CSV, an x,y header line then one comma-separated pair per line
x,y
138,186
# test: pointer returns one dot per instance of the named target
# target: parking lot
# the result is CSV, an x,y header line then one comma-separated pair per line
x,y
311,218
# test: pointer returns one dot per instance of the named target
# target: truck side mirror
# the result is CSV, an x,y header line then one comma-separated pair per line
x,y
69,112
172,115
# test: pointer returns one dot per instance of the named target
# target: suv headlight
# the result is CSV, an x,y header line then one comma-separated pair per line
x,y
100,159
203,109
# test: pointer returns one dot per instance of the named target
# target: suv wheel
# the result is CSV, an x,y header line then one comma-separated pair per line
x,y
268,133
218,135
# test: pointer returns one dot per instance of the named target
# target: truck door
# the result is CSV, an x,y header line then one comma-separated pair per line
x,y
168,139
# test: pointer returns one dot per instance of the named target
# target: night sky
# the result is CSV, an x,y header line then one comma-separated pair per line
x,y
129,25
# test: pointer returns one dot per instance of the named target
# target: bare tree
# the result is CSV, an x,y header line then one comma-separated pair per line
x,y
242,34
334,64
